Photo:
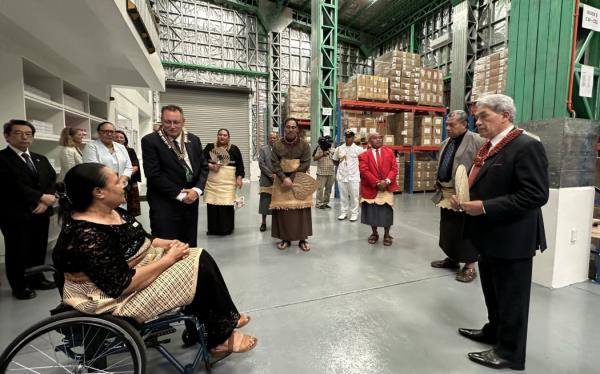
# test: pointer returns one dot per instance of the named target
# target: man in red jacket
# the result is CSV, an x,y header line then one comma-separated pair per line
x,y
378,170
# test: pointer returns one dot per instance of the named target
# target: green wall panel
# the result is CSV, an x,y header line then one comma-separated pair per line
x,y
540,37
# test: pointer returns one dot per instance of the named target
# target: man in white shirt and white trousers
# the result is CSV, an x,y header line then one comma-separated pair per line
x,y
348,175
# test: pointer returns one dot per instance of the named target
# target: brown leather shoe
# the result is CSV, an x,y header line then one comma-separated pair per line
x,y
466,275
446,263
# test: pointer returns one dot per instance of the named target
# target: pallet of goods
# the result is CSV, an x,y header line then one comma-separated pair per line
x,y
490,75
401,125
424,175
297,103
428,130
431,87
401,159
366,87
403,70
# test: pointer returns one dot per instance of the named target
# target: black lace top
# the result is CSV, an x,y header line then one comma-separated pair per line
x,y
100,251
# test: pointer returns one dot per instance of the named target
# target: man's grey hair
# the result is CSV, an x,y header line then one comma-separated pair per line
x,y
460,115
498,103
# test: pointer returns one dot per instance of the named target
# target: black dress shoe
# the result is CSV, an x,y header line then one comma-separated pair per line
x,y
24,294
263,227
492,360
43,285
478,336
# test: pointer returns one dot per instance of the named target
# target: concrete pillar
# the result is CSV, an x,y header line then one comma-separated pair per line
x,y
571,148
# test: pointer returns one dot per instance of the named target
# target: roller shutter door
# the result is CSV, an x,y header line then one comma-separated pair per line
x,y
207,110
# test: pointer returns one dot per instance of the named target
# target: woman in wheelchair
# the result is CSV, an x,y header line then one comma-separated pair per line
x,y
111,265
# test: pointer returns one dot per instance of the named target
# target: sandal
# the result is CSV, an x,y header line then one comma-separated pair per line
x,y
387,240
243,321
373,238
303,244
283,244
236,343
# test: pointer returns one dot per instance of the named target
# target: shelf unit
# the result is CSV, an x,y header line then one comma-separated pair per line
x,y
51,104
373,106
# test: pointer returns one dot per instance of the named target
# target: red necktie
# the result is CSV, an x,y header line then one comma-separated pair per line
x,y
475,169
377,160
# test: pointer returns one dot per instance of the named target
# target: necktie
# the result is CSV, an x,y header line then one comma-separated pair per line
x,y
176,145
443,172
377,160
475,170
29,163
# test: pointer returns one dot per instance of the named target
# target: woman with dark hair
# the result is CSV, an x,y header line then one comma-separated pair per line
x,y
111,265
105,151
71,139
133,193
225,174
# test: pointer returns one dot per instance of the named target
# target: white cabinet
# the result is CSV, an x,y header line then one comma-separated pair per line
x,y
52,104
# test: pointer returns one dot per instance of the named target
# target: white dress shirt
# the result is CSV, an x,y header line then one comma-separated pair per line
x,y
496,139
20,153
347,170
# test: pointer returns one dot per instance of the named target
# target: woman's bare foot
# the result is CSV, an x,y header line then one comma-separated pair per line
x,y
238,342
243,321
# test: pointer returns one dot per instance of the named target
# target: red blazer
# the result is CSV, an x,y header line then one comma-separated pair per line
x,y
370,174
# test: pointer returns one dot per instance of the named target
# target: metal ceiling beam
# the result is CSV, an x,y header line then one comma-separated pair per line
x,y
355,17
415,17
397,8
216,69
344,34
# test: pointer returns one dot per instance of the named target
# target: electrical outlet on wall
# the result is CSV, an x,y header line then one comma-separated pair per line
x,y
573,235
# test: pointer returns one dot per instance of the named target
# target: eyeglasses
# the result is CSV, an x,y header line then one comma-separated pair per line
x,y
291,127
21,133
107,132
172,123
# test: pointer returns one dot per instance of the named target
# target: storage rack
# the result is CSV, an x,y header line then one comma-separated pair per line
x,y
384,107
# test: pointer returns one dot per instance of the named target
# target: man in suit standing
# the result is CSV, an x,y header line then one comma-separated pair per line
x,y
266,179
176,171
26,196
378,169
458,149
508,186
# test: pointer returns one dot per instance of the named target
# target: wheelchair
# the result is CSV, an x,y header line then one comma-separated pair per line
x,y
73,342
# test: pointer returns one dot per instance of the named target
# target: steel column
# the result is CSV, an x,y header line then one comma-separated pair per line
x,y
324,61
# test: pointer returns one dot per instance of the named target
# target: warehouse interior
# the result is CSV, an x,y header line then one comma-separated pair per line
x,y
247,65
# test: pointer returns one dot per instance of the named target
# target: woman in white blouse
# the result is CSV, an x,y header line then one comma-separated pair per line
x,y
112,154
71,139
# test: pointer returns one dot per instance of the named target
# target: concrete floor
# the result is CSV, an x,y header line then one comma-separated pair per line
x,y
348,307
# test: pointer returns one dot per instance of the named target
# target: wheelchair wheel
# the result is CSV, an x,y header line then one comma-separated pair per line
x,y
73,342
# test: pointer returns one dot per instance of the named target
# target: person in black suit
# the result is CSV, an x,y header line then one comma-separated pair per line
x,y
26,197
176,171
508,186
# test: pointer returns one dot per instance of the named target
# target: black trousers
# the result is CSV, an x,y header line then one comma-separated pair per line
x,y
175,221
25,243
506,285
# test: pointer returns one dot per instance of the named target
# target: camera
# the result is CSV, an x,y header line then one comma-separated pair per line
x,y
325,142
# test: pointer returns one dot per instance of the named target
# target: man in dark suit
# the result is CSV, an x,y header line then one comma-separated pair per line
x,y
26,197
508,186
176,171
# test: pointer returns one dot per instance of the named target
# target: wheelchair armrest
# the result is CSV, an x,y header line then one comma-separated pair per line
x,y
40,269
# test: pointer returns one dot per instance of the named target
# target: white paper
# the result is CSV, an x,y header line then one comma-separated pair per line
x,y
586,83
326,131
590,18
327,111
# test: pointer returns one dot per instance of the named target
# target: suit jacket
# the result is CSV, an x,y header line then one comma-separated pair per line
x,y
165,172
465,153
69,157
369,172
264,163
20,191
513,185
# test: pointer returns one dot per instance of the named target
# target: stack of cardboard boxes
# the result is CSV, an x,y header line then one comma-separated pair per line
x,y
401,159
401,125
490,75
403,69
297,103
424,175
428,130
366,87
431,87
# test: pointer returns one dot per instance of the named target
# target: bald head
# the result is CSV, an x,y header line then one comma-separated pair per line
x,y
375,140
